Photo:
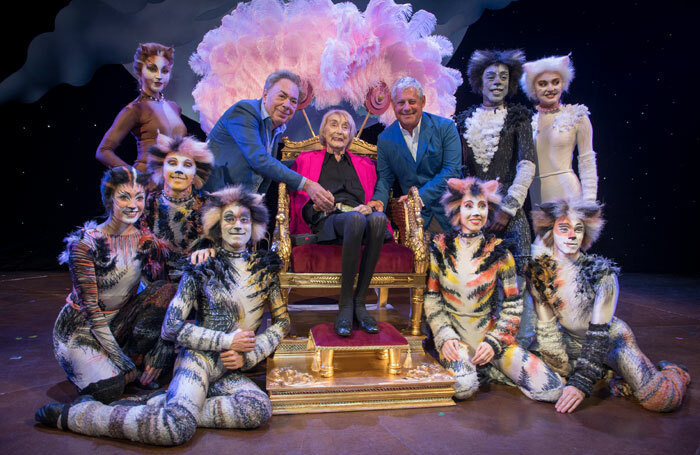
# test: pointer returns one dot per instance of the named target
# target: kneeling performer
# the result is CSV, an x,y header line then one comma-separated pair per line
x,y
228,292
473,337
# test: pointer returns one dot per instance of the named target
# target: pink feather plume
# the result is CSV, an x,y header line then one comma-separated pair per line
x,y
340,50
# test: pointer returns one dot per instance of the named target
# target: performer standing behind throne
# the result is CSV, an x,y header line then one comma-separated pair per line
x,y
475,338
148,114
105,321
578,334
228,293
351,180
558,128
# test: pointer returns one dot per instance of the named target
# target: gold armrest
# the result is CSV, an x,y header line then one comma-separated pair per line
x,y
282,240
407,216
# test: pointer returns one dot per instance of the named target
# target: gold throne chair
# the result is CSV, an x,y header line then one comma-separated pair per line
x,y
402,263
303,376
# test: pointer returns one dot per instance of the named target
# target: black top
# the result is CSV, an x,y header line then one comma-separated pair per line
x,y
340,178
515,144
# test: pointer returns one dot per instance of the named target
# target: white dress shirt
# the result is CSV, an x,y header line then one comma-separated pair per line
x,y
412,139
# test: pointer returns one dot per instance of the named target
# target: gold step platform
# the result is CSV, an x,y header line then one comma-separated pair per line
x,y
361,380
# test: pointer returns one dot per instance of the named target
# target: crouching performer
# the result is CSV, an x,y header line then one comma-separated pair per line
x,y
575,296
474,339
228,292
105,325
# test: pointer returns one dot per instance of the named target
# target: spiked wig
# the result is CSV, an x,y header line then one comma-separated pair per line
x,y
216,202
560,65
482,59
122,175
457,188
188,146
591,213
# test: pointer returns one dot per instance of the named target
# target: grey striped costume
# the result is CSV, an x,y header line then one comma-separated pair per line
x,y
227,294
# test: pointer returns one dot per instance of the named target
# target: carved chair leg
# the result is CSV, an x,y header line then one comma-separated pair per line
x,y
417,296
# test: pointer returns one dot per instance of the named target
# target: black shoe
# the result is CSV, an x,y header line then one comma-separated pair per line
x,y
364,320
342,327
49,414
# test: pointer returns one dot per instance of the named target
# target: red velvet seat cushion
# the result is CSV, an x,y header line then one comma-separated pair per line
x,y
314,258
325,337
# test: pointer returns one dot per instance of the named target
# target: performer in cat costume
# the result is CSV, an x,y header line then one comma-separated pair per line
x,y
558,129
181,165
473,338
150,113
105,325
229,293
578,334
497,145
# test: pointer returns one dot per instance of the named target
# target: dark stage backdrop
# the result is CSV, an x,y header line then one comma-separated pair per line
x,y
635,70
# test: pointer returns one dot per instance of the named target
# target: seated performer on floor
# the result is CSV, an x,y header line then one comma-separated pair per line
x,y
228,292
558,129
578,334
105,321
472,338
352,222
181,166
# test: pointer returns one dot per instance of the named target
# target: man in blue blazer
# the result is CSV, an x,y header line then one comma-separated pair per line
x,y
244,142
418,149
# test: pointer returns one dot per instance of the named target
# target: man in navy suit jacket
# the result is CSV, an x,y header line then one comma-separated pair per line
x,y
244,142
418,149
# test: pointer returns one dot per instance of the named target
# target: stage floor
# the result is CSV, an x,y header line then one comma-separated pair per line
x,y
663,311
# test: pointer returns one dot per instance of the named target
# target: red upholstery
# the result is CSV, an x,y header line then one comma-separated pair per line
x,y
314,258
325,337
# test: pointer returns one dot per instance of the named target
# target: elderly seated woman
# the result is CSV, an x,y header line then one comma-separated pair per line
x,y
352,223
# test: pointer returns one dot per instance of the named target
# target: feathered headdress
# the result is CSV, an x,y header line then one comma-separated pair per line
x,y
337,49
482,59
560,65
188,146
451,200
591,213
216,202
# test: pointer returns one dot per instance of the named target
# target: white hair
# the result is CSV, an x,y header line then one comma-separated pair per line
x,y
531,70
404,83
